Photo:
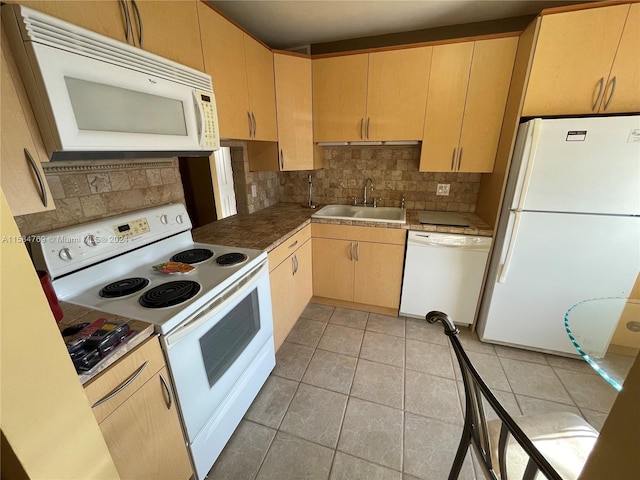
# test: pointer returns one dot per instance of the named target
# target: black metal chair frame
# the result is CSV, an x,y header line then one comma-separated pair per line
x,y
475,430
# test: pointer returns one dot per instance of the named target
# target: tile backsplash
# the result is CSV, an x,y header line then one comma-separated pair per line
x,y
88,190
394,172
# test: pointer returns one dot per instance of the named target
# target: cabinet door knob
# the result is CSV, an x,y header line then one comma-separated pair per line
x,y
600,91
34,166
613,89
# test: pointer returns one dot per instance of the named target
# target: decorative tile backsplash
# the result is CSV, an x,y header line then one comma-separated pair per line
x,y
394,172
88,190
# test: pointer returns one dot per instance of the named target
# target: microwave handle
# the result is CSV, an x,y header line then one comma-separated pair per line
x,y
198,103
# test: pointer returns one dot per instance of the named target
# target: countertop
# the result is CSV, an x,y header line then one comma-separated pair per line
x,y
75,314
269,227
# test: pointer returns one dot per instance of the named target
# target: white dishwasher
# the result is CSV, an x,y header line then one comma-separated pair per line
x,y
443,271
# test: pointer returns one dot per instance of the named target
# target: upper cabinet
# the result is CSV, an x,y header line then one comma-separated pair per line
x,y
586,62
468,87
166,28
375,96
242,72
21,174
294,109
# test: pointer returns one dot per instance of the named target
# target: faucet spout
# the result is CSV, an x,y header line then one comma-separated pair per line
x,y
366,182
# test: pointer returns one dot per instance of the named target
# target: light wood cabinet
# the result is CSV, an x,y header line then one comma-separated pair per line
x,y
468,87
21,174
377,96
140,422
242,72
290,275
358,264
586,62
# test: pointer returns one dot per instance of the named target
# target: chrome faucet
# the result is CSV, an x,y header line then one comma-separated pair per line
x,y
368,180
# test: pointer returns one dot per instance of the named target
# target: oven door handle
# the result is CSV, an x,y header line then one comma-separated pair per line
x,y
216,304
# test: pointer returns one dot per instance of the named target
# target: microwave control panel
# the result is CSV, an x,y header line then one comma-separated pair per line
x,y
210,114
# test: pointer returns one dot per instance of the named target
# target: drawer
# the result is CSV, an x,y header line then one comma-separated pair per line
x,y
396,236
124,377
286,248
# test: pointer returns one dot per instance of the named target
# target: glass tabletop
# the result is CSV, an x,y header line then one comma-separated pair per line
x,y
606,333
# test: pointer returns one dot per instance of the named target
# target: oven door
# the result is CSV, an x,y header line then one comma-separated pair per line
x,y
212,353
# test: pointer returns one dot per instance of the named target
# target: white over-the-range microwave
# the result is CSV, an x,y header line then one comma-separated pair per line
x,y
95,97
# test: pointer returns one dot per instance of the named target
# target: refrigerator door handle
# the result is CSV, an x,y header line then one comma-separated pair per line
x,y
510,248
533,142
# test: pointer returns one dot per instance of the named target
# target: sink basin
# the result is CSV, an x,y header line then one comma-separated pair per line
x,y
365,214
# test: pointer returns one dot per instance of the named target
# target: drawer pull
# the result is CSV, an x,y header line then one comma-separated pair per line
x,y
600,92
124,385
166,387
293,244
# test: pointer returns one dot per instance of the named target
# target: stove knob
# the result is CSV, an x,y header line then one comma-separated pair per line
x,y
164,219
65,254
90,240
180,219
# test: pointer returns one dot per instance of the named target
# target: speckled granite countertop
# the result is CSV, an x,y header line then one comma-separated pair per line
x,y
75,314
268,228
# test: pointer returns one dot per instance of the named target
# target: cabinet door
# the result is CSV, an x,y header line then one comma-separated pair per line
x,y
19,131
223,52
625,73
144,435
294,107
333,268
282,305
339,98
397,94
101,16
448,80
378,274
170,29
573,57
262,90
486,100
303,279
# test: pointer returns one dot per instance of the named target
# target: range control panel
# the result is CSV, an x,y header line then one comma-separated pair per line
x,y
133,228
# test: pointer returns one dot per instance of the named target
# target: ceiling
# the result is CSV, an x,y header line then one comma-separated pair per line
x,y
287,24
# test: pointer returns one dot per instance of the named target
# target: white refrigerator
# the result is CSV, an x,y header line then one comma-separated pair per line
x,y
569,231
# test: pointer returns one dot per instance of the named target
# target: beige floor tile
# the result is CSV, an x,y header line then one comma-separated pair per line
x,y
432,396
419,329
340,339
293,457
243,454
315,414
372,432
534,406
489,368
306,332
346,467
330,370
316,311
506,399
349,318
383,349
520,354
596,419
588,391
472,343
429,358
272,401
430,447
386,324
378,383
533,380
292,360
578,365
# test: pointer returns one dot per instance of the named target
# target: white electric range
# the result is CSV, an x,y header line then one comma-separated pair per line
x,y
215,321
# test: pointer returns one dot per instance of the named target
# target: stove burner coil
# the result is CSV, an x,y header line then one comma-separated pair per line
x,y
123,287
195,255
169,294
229,259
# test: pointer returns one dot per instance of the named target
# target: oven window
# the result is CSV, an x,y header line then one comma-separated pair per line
x,y
106,108
224,343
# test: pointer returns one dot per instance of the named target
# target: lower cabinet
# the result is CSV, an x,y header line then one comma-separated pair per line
x,y
136,411
358,264
291,282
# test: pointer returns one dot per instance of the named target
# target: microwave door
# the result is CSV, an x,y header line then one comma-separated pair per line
x,y
103,107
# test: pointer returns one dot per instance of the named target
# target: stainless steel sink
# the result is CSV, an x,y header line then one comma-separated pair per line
x,y
365,214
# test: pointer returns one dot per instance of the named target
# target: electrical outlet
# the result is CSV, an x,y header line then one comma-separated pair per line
x,y
254,190
443,189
